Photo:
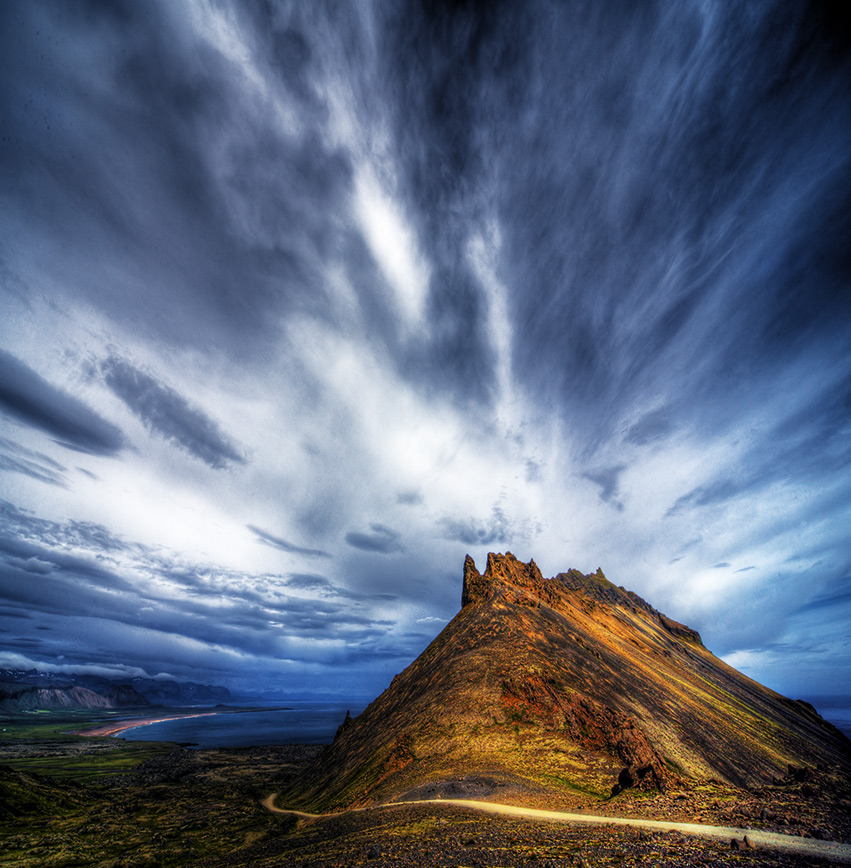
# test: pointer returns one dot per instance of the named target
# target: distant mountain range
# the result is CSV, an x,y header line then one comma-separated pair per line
x,y
33,690
572,683
54,698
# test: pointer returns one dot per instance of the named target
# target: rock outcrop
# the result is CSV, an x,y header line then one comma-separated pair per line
x,y
572,683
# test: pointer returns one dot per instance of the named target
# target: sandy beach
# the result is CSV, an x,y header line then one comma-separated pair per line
x,y
117,726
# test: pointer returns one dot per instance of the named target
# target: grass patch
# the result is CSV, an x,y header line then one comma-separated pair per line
x,y
415,828
85,767
45,724
573,786
44,744
674,767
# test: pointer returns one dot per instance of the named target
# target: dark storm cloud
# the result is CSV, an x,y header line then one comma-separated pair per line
x,y
650,427
30,399
640,163
308,582
458,358
71,534
215,220
608,479
381,540
703,495
282,544
839,595
432,84
253,614
18,459
218,220
645,163
806,443
169,414
495,530
70,586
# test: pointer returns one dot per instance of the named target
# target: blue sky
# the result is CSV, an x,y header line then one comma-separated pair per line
x,y
304,302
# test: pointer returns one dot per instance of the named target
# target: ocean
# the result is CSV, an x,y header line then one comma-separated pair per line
x,y
298,723
839,717
302,723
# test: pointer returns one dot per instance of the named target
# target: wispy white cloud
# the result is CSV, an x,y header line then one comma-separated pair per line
x,y
373,289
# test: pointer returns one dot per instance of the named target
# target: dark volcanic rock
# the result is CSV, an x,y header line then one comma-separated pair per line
x,y
593,726
344,725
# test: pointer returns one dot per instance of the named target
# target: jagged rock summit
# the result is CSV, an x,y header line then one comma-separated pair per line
x,y
569,683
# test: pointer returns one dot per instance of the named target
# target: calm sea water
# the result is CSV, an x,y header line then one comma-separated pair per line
x,y
839,717
304,723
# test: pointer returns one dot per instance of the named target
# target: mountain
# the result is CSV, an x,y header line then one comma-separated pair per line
x,y
180,692
49,698
151,690
573,683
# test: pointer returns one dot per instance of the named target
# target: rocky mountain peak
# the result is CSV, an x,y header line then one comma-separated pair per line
x,y
510,569
503,571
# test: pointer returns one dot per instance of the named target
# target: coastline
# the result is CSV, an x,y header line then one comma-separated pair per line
x,y
114,727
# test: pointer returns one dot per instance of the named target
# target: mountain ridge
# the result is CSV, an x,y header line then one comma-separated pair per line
x,y
151,690
569,682
73,697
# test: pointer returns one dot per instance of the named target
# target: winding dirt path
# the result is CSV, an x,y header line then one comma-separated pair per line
x,y
763,840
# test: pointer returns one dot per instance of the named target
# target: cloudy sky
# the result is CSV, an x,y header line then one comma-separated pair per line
x,y
302,302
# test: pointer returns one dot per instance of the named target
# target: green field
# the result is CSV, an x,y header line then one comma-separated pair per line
x,y
70,800
42,743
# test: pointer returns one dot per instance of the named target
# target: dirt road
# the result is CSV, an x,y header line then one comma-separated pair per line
x,y
763,840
